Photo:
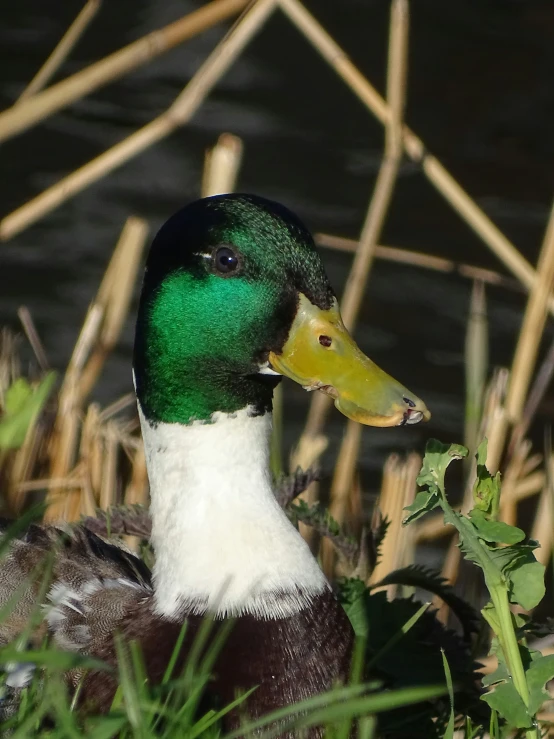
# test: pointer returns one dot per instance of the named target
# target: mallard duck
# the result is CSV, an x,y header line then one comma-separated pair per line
x,y
234,298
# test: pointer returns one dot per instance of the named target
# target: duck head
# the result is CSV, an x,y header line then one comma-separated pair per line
x,y
234,297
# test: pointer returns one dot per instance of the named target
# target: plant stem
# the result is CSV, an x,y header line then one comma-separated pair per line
x,y
497,587
510,647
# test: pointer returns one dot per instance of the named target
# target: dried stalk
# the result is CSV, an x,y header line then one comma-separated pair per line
x,y
476,362
24,461
538,390
108,487
100,332
221,165
397,491
180,112
378,207
532,327
22,116
341,487
420,259
363,259
543,526
114,297
66,429
63,49
510,479
33,338
435,172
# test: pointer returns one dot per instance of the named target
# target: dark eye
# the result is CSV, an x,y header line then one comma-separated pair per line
x,y
225,260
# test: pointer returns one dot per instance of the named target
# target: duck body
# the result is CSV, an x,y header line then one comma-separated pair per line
x,y
100,589
234,296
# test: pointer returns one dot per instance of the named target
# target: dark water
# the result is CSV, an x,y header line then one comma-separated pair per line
x,y
481,95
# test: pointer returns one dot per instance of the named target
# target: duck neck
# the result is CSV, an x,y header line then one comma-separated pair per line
x,y
222,542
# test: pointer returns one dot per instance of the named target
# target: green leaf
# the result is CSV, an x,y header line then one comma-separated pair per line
x,y
527,584
22,404
52,658
538,674
500,675
104,727
507,701
495,531
513,556
481,454
424,502
435,463
351,594
418,576
449,732
486,490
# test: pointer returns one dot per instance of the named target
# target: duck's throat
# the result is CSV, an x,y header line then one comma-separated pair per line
x,y
222,542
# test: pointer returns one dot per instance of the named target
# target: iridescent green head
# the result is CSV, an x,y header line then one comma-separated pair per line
x,y
234,295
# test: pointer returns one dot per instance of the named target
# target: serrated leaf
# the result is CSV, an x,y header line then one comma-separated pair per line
x,y
527,584
435,463
500,675
539,673
425,501
495,531
23,403
481,454
507,701
513,556
351,595
419,576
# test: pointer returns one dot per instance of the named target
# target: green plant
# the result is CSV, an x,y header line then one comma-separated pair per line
x,y
512,576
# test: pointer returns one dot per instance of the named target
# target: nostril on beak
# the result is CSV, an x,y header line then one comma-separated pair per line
x,y
409,402
325,340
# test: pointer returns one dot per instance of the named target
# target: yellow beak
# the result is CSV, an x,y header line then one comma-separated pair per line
x,y
320,354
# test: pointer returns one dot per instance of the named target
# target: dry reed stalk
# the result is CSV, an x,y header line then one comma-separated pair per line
x,y
109,487
543,526
221,165
114,297
538,390
63,49
476,363
529,485
397,491
33,338
137,491
24,461
100,332
510,478
420,259
435,172
22,116
532,327
531,464
363,258
432,528
50,482
93,452
66,429
341,488
180,112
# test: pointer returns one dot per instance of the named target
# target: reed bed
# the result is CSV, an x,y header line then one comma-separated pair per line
x,y
86,460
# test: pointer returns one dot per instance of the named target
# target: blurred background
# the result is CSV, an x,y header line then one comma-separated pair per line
x,y
480,95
